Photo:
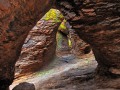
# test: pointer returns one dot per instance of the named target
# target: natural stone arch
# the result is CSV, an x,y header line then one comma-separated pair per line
x,y
50,37
92,20
97,22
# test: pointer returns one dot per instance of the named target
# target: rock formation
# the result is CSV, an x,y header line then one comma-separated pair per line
x,y
98,23
24,86
79,47
71,41
17,18
62,42
39,47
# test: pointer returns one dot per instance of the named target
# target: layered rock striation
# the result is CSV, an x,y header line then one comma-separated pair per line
x,y
97,22
39,47
17,18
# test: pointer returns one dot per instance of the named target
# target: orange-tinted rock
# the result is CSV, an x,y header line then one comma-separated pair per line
x,y
79,47
39,47
17,17
98,23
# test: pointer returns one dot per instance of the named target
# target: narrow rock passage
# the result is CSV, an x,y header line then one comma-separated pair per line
x,y
62,75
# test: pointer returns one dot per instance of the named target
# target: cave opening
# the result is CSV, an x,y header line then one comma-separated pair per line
x,y
52,44
96,22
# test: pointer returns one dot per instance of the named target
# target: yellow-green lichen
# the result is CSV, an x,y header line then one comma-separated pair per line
x,y
53,14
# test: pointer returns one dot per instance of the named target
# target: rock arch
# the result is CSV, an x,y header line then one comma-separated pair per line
x,y
96,22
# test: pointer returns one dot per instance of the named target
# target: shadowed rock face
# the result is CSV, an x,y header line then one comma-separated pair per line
x,y
17,17
98,23
79,47
24,86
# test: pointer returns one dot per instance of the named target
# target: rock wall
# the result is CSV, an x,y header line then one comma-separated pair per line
x,y
71,41
62,42
17,17
79,47
39,47
98,23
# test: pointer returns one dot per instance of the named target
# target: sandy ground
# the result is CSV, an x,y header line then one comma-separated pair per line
x,y
65,72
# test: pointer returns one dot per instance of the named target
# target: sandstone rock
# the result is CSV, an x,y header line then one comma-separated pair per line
x,y
79,47
98,23
17,17
63,28
62,42
70,41
24,86
39,47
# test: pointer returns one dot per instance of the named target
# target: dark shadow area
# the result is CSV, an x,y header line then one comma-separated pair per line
x,y
24,86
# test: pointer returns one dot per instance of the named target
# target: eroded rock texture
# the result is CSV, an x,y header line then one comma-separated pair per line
x,y
39,47
71,42
79,47
62,42
17,17
98,23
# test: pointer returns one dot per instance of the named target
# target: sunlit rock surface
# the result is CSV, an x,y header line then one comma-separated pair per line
x,y
39,47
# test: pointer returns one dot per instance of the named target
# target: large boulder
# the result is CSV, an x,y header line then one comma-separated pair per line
x,y
98,23
17,17
39,47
